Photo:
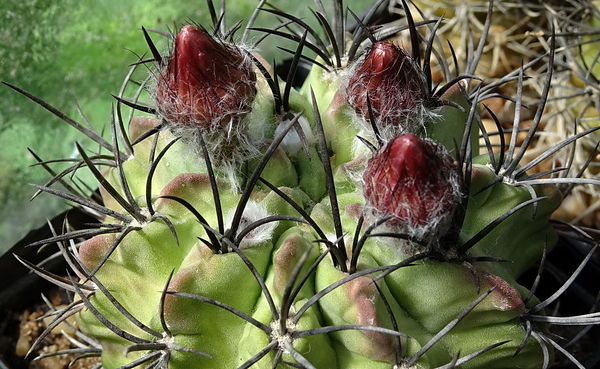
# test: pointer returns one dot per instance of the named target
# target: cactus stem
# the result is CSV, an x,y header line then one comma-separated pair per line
x,y
122,310
290,293
241,314
308,211
447,328
214,241
461,250
107,323
254,177
258,278
113,247
385,269
464,359
297,207
270,219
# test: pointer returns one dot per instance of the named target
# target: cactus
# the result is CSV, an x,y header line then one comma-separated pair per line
x,y
351,222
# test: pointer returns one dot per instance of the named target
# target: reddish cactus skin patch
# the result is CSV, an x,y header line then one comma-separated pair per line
x,y
363,295
413,179
394,83
505,297
206,82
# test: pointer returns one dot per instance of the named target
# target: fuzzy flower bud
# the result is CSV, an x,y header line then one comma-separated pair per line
x,y
207,82
416,181
395,84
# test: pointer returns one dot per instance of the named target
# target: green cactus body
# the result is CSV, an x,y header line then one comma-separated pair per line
x,y
530,232
146,257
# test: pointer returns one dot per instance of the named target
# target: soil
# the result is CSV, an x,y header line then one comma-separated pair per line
x,y
19,329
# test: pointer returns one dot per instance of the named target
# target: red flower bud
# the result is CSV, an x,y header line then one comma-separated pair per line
x,y
396,85
207,82
416,181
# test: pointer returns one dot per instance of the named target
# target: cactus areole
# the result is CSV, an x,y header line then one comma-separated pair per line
x,y
319,245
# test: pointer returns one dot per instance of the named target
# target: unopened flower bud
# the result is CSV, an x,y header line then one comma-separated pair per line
x,y
207,82
416,181
394,82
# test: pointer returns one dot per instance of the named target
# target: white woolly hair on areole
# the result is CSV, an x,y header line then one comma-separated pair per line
x,y
253,212
229,142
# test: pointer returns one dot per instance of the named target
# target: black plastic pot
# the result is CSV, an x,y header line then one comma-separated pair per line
x,y
19,288
580,298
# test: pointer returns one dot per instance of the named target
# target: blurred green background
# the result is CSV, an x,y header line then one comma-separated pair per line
x,y
70,49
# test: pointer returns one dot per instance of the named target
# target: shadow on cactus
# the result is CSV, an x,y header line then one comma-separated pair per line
x,y
350,222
